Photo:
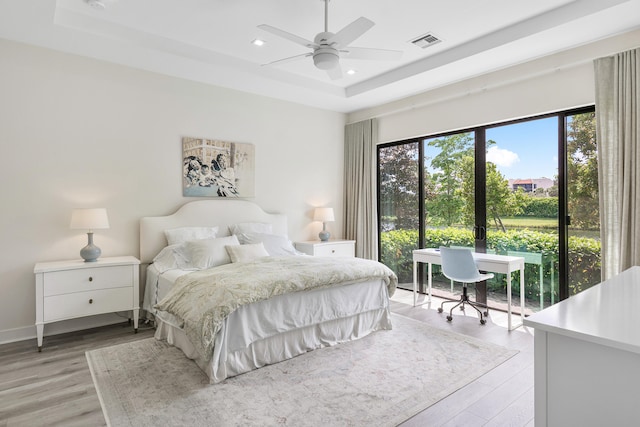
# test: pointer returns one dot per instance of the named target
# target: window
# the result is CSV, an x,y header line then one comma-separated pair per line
x,y
526,188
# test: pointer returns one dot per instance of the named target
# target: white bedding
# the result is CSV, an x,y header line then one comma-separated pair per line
x,y
270,331
267,331
157,285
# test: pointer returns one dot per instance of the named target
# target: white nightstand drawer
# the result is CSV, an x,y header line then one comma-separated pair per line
x,y
59,307
337,249
67,281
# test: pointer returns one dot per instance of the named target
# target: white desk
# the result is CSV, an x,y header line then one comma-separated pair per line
x,y
485,262
587,354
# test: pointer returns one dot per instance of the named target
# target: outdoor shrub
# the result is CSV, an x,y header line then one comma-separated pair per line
x,y
540,207
584,257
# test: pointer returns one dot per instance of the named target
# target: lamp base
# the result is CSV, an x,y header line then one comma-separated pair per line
x,y
91,252
324,235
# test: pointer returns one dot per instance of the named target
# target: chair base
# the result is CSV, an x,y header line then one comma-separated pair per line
x,y
464,299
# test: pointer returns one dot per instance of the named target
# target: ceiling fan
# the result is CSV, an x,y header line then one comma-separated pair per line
x,y
329,47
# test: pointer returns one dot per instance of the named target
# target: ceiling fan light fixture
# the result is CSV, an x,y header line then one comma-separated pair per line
x,y
326,59
327,47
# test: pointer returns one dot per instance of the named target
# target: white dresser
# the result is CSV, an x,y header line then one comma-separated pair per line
x,y
338,248
71,289
587,356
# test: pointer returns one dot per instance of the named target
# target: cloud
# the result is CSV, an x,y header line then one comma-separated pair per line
x,y
502,157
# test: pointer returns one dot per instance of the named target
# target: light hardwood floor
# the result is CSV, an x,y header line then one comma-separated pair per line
x,y
54,388
503,396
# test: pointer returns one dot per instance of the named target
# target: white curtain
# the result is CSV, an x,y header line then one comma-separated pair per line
x,y
617,100
360,206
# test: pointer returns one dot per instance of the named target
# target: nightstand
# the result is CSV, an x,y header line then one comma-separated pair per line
x,y
342,248
71,289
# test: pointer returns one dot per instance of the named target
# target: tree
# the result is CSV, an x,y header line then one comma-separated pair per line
x,y
399,186
500,200
445,206
582,171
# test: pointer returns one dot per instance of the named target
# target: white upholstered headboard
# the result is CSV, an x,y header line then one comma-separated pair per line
x,y
203,213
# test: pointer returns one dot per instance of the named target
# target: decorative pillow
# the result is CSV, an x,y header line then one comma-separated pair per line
x,y
205,253
275,244
245,253
184,234
243,228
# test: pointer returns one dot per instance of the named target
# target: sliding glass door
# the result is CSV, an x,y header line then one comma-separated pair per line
x,y
522,206
399,207
449,197
583,228
525,188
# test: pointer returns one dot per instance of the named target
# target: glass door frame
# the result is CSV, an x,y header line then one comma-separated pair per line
x,y
479,133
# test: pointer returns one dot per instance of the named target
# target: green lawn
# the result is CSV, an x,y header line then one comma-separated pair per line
x,y
545,225
533,222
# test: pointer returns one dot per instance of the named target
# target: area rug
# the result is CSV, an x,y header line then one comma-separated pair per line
x,y
379,380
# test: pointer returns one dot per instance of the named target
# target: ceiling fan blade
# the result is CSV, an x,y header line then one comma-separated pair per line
x,y
289,59
285,35
335,73
368,53
351,32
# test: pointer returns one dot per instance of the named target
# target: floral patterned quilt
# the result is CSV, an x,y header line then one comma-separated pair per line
x,y
203,299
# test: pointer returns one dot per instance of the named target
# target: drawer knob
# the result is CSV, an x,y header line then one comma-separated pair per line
x,y
333,251
90,279
90,300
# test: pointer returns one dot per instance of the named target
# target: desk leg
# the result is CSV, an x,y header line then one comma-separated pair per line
x,y
509,299
429,279
415,283
522,295
510,324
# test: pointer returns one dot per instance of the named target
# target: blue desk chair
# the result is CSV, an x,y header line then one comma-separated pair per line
x,y
458,265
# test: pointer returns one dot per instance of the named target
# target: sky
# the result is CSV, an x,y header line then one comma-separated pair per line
x,y
523,150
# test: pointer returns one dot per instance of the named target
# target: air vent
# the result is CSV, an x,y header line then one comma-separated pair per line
x,y
426,40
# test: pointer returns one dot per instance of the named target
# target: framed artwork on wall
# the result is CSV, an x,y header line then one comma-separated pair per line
x,y
213,168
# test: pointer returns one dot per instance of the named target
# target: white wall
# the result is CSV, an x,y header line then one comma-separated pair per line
x,y
553,83
76,132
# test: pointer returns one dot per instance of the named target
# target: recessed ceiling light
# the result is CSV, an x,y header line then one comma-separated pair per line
x,y
351,72
258,42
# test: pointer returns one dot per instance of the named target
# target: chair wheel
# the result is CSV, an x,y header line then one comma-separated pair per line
x,y
439,309
449,318
482,321
486,313
462,308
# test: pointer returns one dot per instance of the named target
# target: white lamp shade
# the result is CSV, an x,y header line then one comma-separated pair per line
x,y
89,219
323,214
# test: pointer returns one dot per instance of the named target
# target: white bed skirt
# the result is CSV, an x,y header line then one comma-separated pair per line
x,y
286,326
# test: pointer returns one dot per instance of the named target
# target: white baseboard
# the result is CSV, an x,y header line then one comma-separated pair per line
x,y
29,332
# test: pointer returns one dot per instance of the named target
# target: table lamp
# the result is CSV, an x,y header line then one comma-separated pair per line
x,y
325,215
89,219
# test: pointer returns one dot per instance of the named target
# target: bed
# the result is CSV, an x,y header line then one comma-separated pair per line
x,y
291,315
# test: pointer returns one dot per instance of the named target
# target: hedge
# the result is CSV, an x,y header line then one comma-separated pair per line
x,y
584,257
540,207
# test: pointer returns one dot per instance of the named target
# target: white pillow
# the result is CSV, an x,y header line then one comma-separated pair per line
x,y
184,234
245,253
205,253
243,228
275,244
165,260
